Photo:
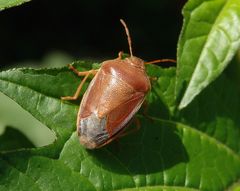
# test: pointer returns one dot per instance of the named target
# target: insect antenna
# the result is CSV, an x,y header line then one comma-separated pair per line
x,y
160,61
128,36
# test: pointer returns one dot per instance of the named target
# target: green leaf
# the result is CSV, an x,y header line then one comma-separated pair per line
x,y
210,38
235,187
51,174
14,139
13,179
162,153
172,151
39,92
4,4
162,88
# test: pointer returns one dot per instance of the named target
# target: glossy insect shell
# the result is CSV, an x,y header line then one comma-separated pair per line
x,y
114,95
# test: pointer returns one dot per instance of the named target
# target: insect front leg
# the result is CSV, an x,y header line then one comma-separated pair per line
x,y
86,75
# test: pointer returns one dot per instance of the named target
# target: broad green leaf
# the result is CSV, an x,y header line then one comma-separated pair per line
x,y
14,139
210,38
4,4
40,91
172,151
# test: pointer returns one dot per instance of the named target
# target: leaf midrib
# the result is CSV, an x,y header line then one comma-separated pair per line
x,y
25,86
161,187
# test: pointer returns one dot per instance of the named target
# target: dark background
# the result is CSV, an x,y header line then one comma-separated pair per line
x,y
89,29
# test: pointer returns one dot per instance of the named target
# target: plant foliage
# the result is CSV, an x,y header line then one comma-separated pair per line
x,y
190,143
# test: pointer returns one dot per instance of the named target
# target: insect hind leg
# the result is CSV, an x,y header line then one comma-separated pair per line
x,y
86,75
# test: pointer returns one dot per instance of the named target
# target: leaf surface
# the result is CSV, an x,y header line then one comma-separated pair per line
x,y
172,151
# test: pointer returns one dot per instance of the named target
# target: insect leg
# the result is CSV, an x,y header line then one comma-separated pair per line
x,y
75,96
84,73
145,111
152,78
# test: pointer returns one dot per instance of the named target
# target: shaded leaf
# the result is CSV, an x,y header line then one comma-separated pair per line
x,y
162,153
14,139
215,112
13,179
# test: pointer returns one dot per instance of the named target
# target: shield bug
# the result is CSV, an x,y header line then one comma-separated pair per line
x,y
114,95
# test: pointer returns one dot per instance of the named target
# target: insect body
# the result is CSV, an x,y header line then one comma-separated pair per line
x,y
114,95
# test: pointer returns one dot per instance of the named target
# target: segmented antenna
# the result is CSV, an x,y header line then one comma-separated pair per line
x,y
128,36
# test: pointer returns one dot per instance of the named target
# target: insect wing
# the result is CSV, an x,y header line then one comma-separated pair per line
x,y
121,115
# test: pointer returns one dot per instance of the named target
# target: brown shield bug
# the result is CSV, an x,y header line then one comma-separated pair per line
x,y
114,95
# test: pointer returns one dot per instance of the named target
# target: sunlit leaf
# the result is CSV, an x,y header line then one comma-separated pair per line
x,y
4,4
210,38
